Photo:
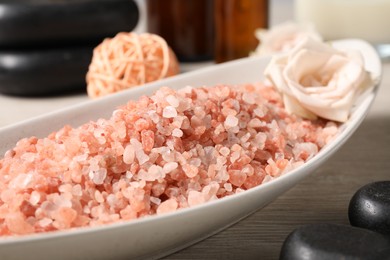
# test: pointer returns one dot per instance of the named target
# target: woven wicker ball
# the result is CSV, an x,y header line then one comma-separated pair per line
x,y
129,60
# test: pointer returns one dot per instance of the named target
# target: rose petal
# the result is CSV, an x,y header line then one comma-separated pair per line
x,y
283,37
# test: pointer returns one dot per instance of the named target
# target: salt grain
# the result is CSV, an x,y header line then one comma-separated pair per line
x,y
170,166
228,187
177,132
155,200
195,198
98,176
248,98
190,170
35,197
141,157
45,222
169,112
167,206
154,173
129,175
98,196
173,101
231,121
259,112
77,190
255,122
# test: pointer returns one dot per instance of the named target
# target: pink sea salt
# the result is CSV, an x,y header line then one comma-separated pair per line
x,y
172,150
167,206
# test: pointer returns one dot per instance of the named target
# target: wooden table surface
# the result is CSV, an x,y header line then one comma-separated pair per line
x,y
322,198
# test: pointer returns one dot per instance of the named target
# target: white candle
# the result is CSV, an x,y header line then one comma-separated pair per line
x,y
334,19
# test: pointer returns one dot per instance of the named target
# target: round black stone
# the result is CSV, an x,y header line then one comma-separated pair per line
x,y
370,207
44,72
29,23
329,241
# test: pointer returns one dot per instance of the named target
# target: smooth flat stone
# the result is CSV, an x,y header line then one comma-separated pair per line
x,y
370,207
44,22
44,72
329,241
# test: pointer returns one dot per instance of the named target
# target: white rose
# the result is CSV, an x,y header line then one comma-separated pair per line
x,y
283,37
317,80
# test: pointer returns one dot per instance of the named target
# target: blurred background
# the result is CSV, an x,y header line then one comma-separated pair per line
x,y
201,33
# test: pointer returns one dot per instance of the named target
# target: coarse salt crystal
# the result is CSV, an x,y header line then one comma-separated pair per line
x,y
172,100
154,173
98,196
248,170
190,170
195,198
234,156
239,190
167,206
141,157
210,190
169,112
224,151
177,132
170,166
45,222
259,140
178,121
255,122
34,198
195,162
136,144
259,112
49,206
168,155
245,138
80,158
111,200
267,178
62,202
228,187
21,181
28,157
129,154
154,116
186,90
155,200
248,98
231,121
129,175
199,112
77,190
98,176
305,150
65,188
219,129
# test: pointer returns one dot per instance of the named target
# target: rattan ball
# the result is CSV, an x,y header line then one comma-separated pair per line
x,y
129,60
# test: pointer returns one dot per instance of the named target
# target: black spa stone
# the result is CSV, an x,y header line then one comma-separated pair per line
x,y
370,207
44,72
47,22
333,242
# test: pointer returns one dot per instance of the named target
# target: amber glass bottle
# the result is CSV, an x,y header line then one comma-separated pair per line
x,y
236,22
186,25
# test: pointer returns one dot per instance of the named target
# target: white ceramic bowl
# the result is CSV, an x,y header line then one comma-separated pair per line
x,y
156,236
